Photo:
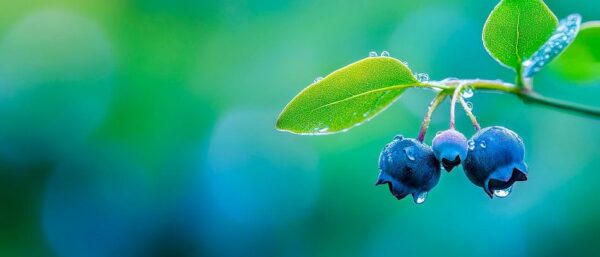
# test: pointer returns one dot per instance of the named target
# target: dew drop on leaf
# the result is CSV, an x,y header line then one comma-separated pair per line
x,y
422,77
564,34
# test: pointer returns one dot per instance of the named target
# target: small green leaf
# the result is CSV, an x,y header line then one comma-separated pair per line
x,y
581,61
516,29
347,97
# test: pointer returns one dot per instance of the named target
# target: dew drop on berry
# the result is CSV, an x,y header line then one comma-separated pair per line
x,y
317,79
405,63
482,144
421,197
385,54
471,145
408,151
372,54
502,192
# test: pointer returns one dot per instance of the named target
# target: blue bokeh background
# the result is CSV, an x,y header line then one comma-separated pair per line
x,y
146,128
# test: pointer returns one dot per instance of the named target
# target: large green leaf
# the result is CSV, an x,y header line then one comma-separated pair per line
x,y
581,60
347,97
516,29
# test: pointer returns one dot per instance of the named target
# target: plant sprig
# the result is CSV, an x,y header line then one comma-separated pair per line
x,y
523,35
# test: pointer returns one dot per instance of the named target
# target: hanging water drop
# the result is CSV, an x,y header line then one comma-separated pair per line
x,y
408,151
482,144
471,145
385,54
467,92
422,77
421,197
502,192
317,79
372,54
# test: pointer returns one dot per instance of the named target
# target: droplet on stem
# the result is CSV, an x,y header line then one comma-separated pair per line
x,y
467,92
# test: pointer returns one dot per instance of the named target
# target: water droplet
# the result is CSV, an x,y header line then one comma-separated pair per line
x,y
482,144
438,133
467,92
390,160
317,79
398,137
422,77
470,106
502,192
385,54
471,145
409,153
323,130
405,63
372,54
421,197
563,35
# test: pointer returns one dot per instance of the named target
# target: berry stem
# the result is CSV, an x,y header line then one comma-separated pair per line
x,y
439,98
453,104
470,114
527,94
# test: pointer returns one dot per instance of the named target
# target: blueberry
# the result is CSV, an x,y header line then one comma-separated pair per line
x,y
495,160
408,167
450,148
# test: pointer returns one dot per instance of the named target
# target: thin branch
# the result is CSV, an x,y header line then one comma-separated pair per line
x,y
439,98
453,104
469,113
526,94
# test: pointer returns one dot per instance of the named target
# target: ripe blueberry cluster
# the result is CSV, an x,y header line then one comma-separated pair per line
x,y
492,159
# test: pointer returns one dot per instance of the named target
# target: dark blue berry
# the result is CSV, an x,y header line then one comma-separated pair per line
x,y
450,148
495,160
408,167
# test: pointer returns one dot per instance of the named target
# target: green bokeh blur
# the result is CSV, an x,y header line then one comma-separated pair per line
x,y
146,128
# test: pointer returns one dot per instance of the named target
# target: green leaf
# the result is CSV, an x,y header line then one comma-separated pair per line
x,y
562,37
581,60
516,29
347,97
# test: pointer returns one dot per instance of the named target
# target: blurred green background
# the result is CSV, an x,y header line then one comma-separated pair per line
x,y
146,128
